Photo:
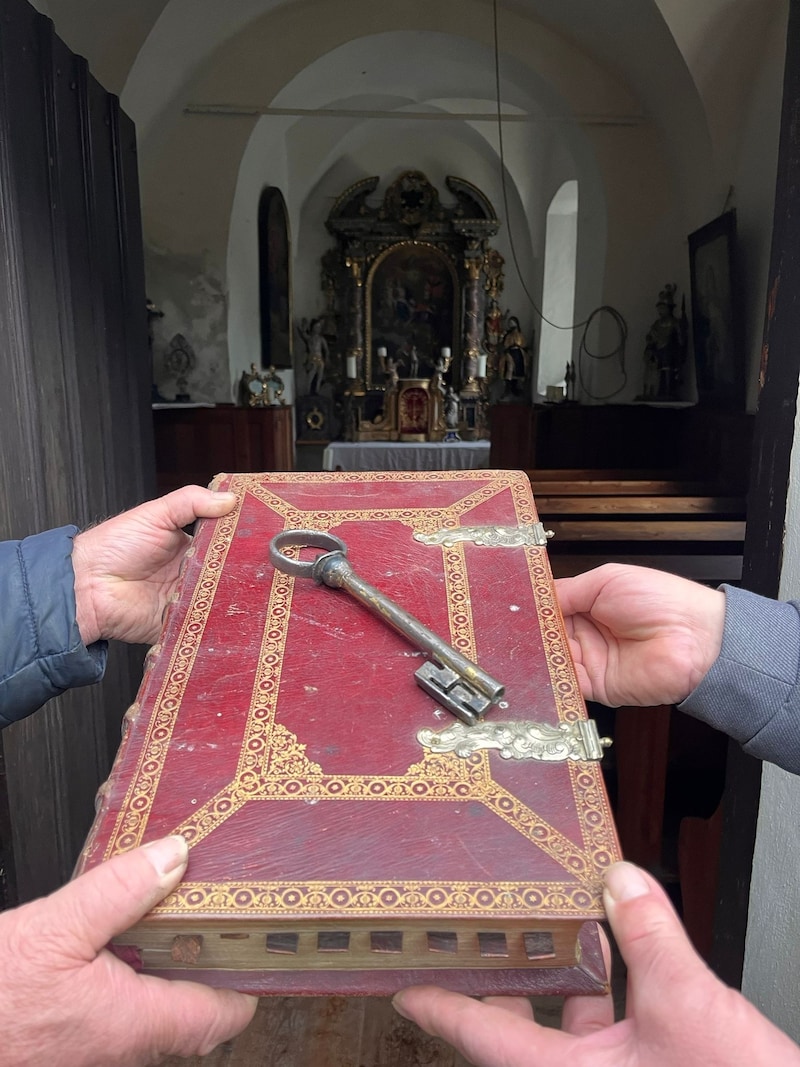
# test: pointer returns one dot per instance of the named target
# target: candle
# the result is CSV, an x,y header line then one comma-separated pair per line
x,y
381,353
481,366
446,353
351,366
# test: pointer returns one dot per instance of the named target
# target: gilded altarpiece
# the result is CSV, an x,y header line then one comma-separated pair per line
x,y
406,290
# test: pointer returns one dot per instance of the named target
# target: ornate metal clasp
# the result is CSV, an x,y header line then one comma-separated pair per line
x,y
489,536
520,740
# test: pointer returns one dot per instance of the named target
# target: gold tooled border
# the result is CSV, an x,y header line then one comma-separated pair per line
x,y
273,765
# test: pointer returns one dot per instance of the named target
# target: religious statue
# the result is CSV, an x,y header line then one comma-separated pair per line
x,y
665,349
451,414
493,325
512,368
413,362
392,366
316,352
440,368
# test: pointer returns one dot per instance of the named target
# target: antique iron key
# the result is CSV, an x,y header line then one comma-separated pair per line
x,y
452,679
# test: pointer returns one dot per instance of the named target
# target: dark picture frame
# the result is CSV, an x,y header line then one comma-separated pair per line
x,y
716,331
274,280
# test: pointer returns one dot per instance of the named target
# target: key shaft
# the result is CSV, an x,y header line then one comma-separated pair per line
x,y
461,685
334,569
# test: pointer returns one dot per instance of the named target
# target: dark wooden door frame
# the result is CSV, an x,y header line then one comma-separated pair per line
x,y
76,437
766,509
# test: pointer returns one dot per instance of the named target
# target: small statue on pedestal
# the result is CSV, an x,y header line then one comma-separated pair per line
x,y
441,368
316,352
451,415
413,362
392,379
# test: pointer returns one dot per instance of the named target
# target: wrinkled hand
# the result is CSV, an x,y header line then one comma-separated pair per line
x,y
640,636
68,1001
126,568
678,1013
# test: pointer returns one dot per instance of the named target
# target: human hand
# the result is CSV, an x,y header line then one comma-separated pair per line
x,y
678,1014
640,636
68,1000
127,568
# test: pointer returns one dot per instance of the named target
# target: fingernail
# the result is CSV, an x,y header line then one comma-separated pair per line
x,y
167,854
623,881
226,496
397,1004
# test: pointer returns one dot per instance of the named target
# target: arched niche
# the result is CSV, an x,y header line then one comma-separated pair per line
x,y
274,279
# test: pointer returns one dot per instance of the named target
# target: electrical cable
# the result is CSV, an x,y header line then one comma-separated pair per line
x,y
618,350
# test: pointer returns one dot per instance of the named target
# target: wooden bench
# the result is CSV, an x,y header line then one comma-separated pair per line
x,y
685,527
692,529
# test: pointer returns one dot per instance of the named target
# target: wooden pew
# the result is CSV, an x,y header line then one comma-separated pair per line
x,y
687,527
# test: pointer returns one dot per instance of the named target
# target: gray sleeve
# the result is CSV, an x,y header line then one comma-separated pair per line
x,y
751,692
41,651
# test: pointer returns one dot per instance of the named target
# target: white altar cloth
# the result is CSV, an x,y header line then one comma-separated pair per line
x,y
405,455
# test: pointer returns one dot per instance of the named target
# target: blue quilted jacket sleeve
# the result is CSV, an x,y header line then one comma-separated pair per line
x,y
41,652
752,691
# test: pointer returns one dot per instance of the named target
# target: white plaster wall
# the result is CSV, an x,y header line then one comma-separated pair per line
x,y
185,183
318,157
644,184
770,977
191,293
558,302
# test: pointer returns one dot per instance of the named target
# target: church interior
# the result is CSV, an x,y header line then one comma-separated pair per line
x,y
524,234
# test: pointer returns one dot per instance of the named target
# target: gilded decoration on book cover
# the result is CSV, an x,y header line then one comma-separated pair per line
x,y
273,765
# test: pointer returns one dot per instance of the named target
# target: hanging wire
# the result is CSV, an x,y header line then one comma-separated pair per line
x,y
583,350
618,350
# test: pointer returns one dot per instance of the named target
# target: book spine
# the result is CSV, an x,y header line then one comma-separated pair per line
x,y
93,843
102,796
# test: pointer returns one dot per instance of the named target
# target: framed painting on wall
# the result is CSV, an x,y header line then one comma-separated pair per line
x,y
718,350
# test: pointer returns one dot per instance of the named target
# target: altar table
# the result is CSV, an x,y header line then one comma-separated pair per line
x,y
405,455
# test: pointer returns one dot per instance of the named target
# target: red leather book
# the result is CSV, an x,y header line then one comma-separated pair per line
x,y
348,833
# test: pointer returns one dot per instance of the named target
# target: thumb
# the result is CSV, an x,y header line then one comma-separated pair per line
x,y
192,502
650,936
109,899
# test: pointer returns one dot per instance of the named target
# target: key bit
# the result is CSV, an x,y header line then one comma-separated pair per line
x,y
453,680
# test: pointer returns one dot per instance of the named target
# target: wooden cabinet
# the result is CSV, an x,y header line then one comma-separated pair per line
x,y
194,444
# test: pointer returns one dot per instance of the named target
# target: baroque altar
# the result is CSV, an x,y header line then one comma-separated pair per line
x,y
407,288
